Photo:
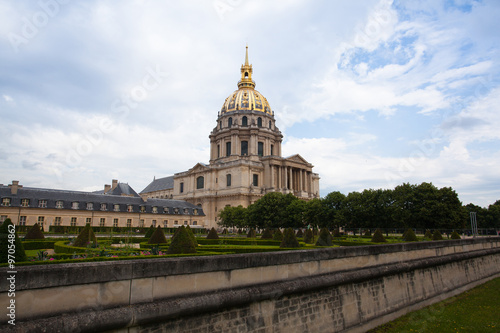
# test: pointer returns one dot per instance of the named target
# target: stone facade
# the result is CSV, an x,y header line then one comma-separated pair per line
x,y
245,159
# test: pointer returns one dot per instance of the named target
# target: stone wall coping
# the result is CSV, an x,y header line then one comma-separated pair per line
x,y
46,276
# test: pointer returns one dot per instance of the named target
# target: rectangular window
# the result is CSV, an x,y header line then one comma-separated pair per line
x,y
22,220
104,206
218,151
90,206
255,180
25,203
42,203
59,204
228,180
195,222
154,210
182,188
102,222
244,148
185,222
228,149
115,223
176,222
57,221
116,208
74,205
40,220
141,223
6,202
165,210
129,223
153,223
130,208
272,150
88,220
165,223
73,221
260,149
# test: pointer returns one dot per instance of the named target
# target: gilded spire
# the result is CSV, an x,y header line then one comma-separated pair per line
x,y
246,74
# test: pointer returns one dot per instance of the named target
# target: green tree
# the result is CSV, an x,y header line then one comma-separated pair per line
x,y
10,241
233,217
275,210
333,209
314,213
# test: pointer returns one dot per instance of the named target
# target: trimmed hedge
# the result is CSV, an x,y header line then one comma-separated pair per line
x,y
39,245
238,241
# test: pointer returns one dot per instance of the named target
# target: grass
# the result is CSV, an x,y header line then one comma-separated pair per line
x,y
476,310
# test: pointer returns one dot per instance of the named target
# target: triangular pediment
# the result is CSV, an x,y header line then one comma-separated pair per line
x,y
296,158
199,167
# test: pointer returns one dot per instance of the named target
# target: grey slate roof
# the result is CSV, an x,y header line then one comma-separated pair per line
x,y
160,184
164,206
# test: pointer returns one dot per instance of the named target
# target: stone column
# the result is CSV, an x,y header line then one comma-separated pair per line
x,y
291,179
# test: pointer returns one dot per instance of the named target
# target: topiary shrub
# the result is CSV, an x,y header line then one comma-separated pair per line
x,y
85,237
158,237
278,235
224,232
181,242
308,237
336,233
191,234
455,235
436,235
325,239
8,237
378,237
409,236
212,234
34,233
267,234
368,233
289,239
299,233
151,230
428,234
315,232
251,233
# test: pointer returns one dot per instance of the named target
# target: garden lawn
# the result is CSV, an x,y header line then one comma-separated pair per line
x,y
476,310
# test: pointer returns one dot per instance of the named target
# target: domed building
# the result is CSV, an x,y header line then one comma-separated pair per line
x,y
245,159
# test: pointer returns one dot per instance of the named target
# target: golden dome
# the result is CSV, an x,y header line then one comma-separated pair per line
x,y
246,98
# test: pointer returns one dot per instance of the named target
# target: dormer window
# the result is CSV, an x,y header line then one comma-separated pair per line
x,y
59,204
6,202
116,208
143,209
25,202
90,206
186,211
195,211
154,210
42,203
130,208
165,210
176,210
104,206
74,205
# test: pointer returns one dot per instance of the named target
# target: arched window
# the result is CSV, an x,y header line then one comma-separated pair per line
x,y
220,124
244,121
228,180
259,122
270,124
200,182
230,122
260,149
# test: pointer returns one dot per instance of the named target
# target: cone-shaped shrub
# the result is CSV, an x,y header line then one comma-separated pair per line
x,y
336,233
8,229
325,239
289,239
150,232
455,235
308,237
437,235
378,237
34,233
267,234
251,233
181,242
315,232
224,232
368,233
212,234
158,237
191,234
409,236
278,235
299,233
85,237
428,235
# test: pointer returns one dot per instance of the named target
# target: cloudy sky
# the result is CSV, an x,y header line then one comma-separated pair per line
x,y
373,93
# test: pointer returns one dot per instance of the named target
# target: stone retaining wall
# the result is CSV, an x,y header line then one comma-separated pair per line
x,y
334,289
